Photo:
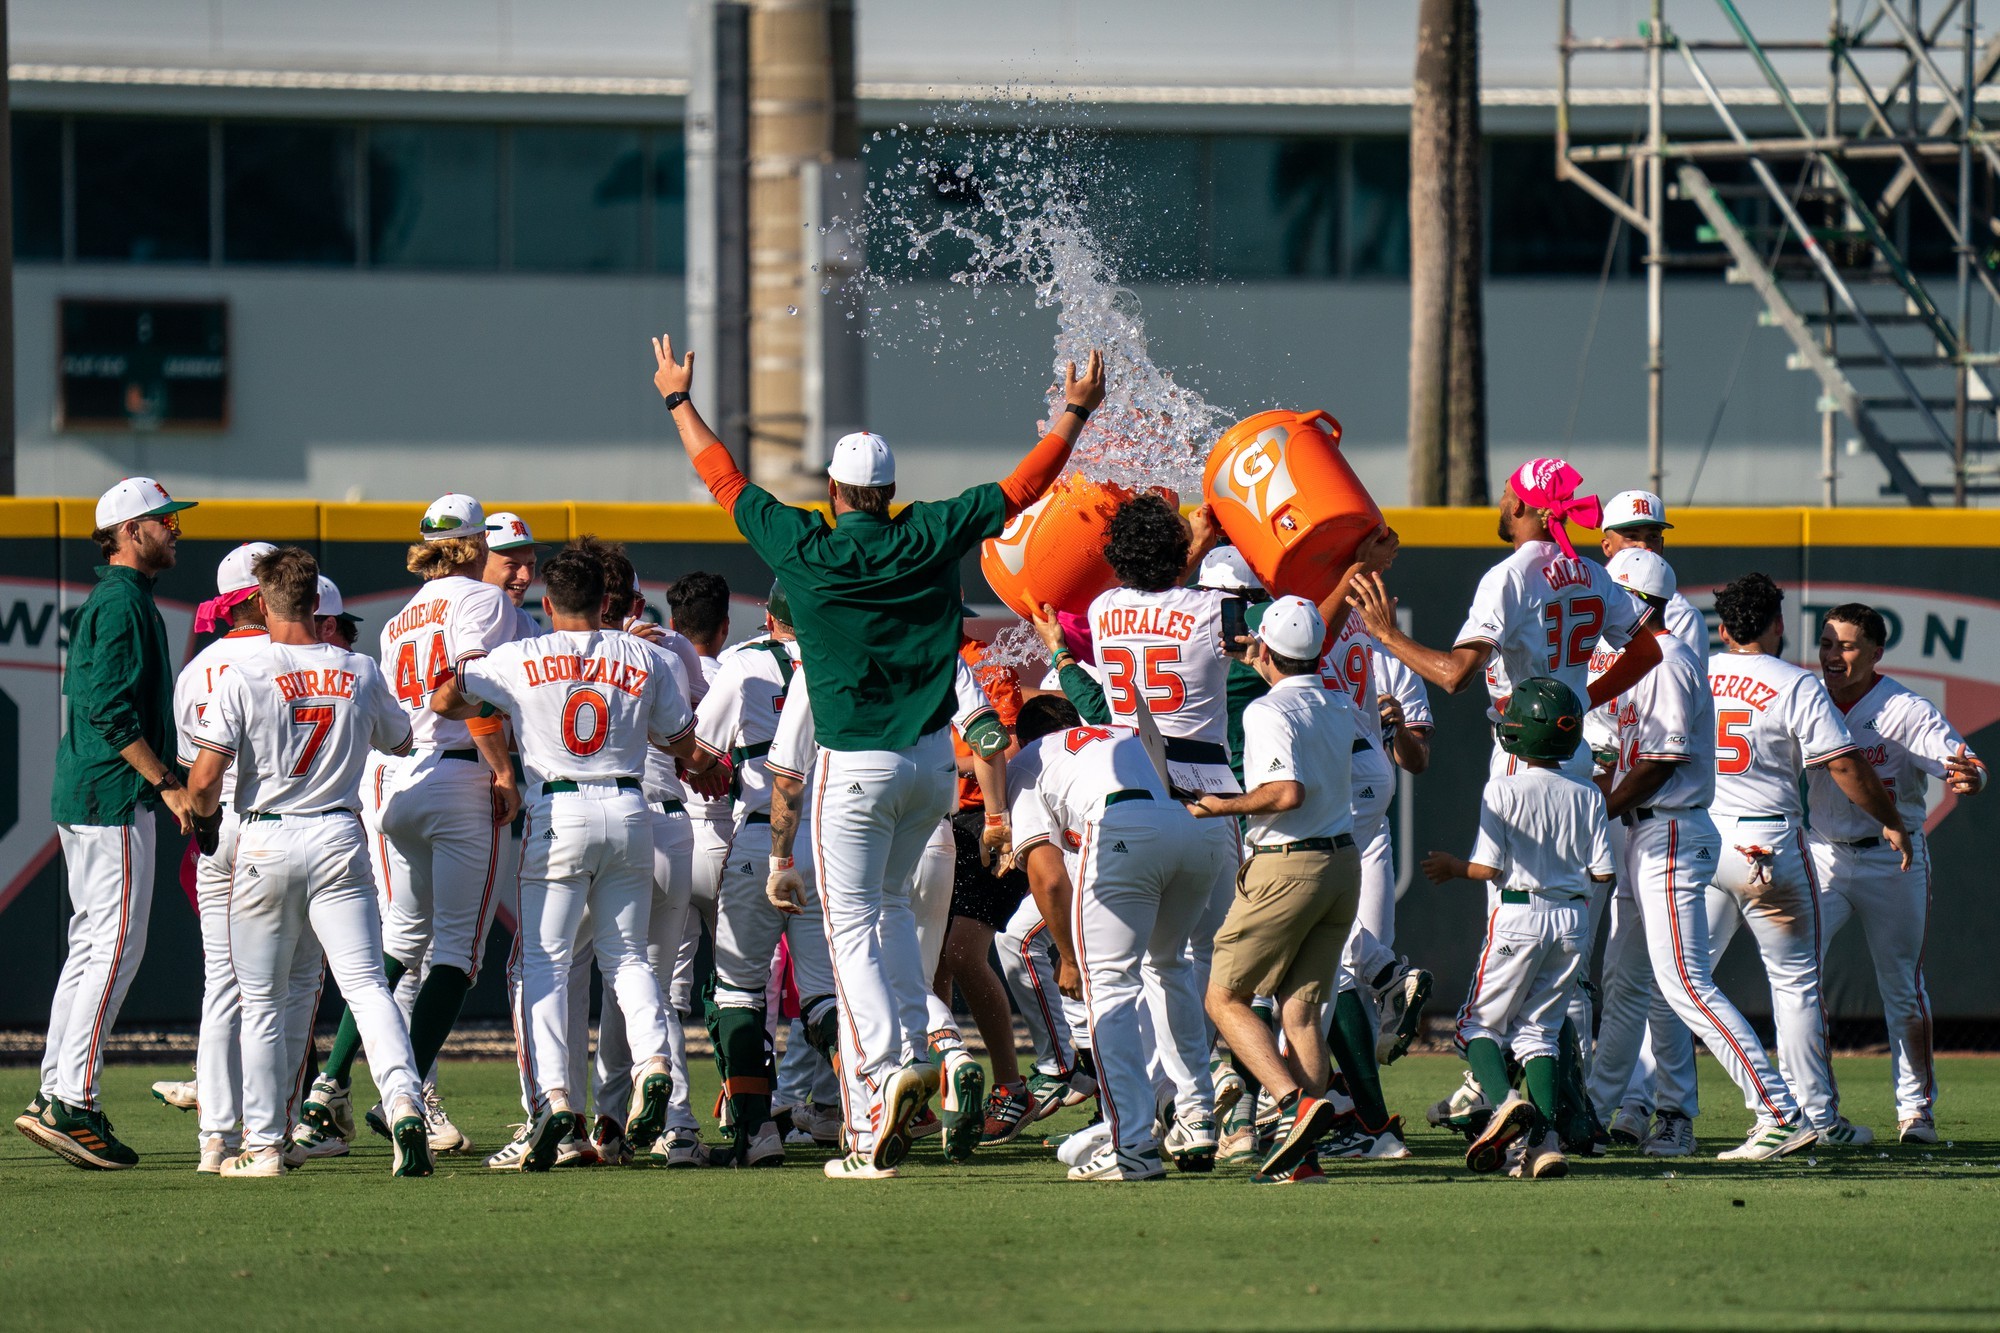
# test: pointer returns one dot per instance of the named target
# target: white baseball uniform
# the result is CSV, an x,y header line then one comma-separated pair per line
x,y
1906,740
1773,723
711,824
1027,956
297,722
444,867
584,704
1671,850
1547,835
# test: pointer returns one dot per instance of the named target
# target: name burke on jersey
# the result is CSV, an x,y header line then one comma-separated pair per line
x,y
1155,620
328,684
576,669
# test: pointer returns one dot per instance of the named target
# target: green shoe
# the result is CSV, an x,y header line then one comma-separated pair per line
x,y
412,1143
545,1136
964,1105
83,1137
36,1105
646,1119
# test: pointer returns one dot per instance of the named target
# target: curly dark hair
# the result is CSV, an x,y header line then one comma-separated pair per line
x,y
1043,714
699,602
1146,544
1747,606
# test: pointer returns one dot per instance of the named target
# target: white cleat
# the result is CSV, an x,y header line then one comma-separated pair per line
x,y
576,1150
510,1157
261,1163
1627,1127
681,1149
1844,1133
330,1108
1916,1129
857,1166
1466,1098
1672,1136
1542,1159
311,1142
445,1137
213,1154
1110,1164
180,1096
1769,1141
766,1147
1081,1146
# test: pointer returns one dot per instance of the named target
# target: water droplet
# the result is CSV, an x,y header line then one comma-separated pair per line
x,y
791,310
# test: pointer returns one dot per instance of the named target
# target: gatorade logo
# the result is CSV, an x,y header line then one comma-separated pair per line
x,y
1011,546
1257,477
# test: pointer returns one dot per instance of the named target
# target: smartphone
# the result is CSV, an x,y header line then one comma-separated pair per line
x,y
1235,625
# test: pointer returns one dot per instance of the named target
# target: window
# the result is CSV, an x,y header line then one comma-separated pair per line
x,y
287,194
38,201
1537,224
1151,215
578,198
142,190
1276,206
434,196
1379,214
669,202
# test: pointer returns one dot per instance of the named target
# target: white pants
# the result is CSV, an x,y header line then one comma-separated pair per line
x,y
1144,875
1776,896
711,849
444,862
1644,1054
1028,961
1362,959
301,887
1893,906
588,850
1225,848
873,814
748,928
930,904
673,853
1671,859
218,1058
1373,790
1533,955
110,900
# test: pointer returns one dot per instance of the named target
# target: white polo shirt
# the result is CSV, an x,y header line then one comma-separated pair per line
x,y
1301,732
1544,832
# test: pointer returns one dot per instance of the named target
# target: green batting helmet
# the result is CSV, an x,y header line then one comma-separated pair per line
x,y
1543,721
779,605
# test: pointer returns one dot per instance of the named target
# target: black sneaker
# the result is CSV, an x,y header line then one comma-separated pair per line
x,y
82,1136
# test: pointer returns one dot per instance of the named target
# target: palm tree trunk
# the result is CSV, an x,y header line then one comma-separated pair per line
x,y
1431,107
1465,434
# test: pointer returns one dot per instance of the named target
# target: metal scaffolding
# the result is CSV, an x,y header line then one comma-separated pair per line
x,y
1895,352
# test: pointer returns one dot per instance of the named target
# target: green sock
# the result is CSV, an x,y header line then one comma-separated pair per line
x,y
1541,1081
1352,1039
1489,1066
346,1046
436,1013
742,1042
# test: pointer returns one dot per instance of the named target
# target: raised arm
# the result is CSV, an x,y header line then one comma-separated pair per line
x,y
1045,462
1449,671
712,463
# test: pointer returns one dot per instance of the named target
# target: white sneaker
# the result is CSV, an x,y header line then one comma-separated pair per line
x,y
1229,1087
1844,1133
510,1157
1542,1159
444,1136
822,1122
335,1108
261,1163
576,1150
1108,1163
1627,1127
681,1149
312,1142
1191,1143
857,1166
294,1154
1672,1136
181,1096
1916,1129
1769,1141
213,1154
1466,1098
1079,1147
766,1147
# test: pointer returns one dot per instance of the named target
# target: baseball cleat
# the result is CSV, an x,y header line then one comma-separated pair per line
x,y
902,1098
254,1163
180,1096
80,1137
1052,1092
682,1150
1627,1127
1454,1111
1672,1136
1916,1129
964,1103
510,1157
1238,1144
1190,1143
576,1150
1305,1173
213,1154
445,1137
766,1147
1111,1163
329,1109
1401,1003
1357,1143
646,1118
1769,1141
607,1138
311,1141
378,1121
545,1136
1229,1086
1007,1112
857,1166
411,1141
1510,1120
293,1153
1311,1118
1542,1157
1844,1133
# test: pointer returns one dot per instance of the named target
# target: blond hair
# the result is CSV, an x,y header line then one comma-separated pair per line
x,y
434,560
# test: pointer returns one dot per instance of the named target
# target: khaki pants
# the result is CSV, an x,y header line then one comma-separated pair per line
x,y
1284,932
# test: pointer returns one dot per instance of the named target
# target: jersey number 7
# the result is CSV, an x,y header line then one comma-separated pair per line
x,y
320,718
1165,690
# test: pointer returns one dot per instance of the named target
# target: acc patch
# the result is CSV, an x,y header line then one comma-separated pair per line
x,y
1072,841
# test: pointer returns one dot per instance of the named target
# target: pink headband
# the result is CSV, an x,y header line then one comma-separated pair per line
x,y
1076,633
217,608
1551,484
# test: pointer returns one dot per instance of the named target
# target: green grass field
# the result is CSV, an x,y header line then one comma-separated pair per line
x,y
1895,1238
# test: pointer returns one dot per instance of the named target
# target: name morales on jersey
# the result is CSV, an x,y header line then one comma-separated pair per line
x,y
554,670
1566,573
418,614
1745,688
309,684
1156,620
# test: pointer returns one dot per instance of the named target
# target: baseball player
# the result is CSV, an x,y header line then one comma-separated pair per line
x,y
511,552
442,811
218,1066
335,623
1774,723
1865,870
114,768
1665,783
1122,924
294,721
585,701
1639,518
1543,840
877,602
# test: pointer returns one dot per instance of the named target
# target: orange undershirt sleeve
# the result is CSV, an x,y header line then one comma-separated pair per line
x,y
1035,473
719,473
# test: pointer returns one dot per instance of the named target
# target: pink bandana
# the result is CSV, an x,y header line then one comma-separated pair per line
x,y
1551,484
217,609
1076,633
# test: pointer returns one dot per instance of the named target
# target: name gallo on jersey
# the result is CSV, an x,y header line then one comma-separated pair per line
x,y
1566,573
328,684
557,670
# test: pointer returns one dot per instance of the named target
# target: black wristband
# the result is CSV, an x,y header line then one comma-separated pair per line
x,y
168,783
1081,411
674,400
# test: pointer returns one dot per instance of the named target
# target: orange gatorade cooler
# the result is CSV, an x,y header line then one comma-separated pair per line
x,y
1289,500
1053,551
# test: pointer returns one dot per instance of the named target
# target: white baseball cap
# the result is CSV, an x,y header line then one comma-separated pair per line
x,y
1637,569
453,515
237,570
136,497
330,601
863,459
506,531
1225,567
1292,628
1633,508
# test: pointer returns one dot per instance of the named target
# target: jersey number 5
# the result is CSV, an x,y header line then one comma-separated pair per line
x,y
1165,690
1732,745
412,689
586,737
320,718
1573,630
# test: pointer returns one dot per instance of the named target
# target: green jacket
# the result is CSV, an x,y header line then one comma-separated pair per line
x,y
118,687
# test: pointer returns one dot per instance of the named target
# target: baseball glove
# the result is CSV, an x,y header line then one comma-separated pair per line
x,y
207,831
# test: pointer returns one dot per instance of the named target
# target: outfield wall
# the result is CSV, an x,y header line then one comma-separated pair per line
x,y
1925,571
